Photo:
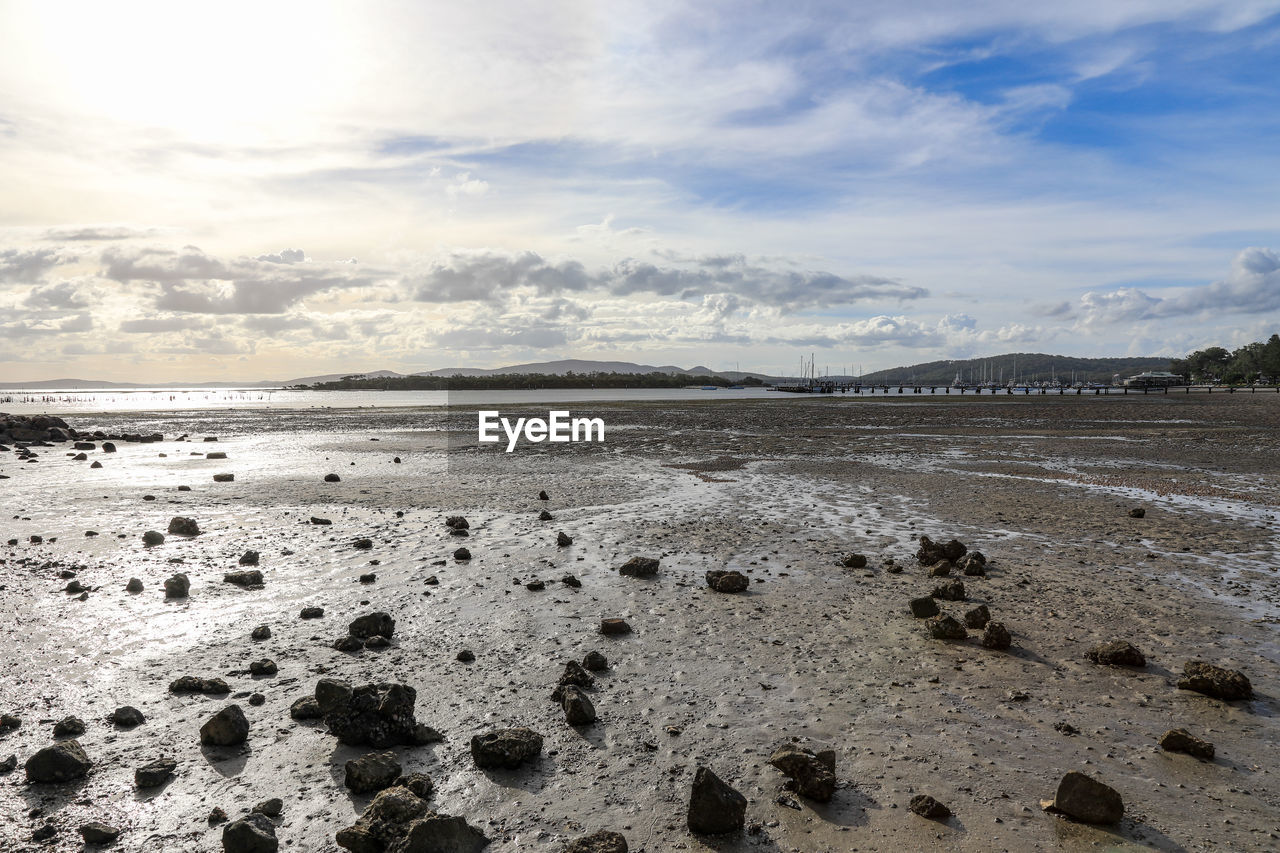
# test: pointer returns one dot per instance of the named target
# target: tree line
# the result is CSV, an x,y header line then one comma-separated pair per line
x,y
1255,362
525,381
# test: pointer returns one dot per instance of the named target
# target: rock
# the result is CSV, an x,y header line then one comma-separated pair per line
x,y
224,478
183,526
924,607
228,727
419,783
614,627
80,457
249,558
362,544
8,765
456,522
384,822
154,773
372,772
571,581
440,833
69,727
462,554
257,699
545,516
251,577
332,478
926,806
578,710
217,454
996,636
1181,740
575,674
253,833
639,567
727,581
273,807
196,684
1137,512
379,715
1087,800
266,666
940,569
950,591
853,561
563,539
978,617
931,552
946,628
543,496
127,716
184,488
62,762
535,586
595,662
96,832
370,577
714,807
95,464
1215,681
348,643
312,612
262,632
603,841
217,816
152,538
306,708
1116,653
812,776
320,521
973,564
134,585
506,748
178,586
466,656
108,447
372,624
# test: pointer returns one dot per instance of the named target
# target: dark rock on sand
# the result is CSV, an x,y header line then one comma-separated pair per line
x,y
545,516
603,841
312,612
379,715
385,821
152,538
317,520
506,748
578,710
178,586
1215,681
273,807
727,581
373,772
931,552
134,585
946,628
253,833
996,636
1181,740
362,544
614,627
224,478
714,807
69,727
8,765
266,666
250,577
978,617
97,832
595,662
348,643
973,564
926,806
462,554
372,624
813,774
853,561
249,558
262,632
639,567
563,539
62,762
543,496
154,773
332,478
127,717
571,581
257,699
940,569
1087,800
228,727
466,656
196,684
1137,512
456,522
1116,653
924,607
180,525
306,708
950,591
575,674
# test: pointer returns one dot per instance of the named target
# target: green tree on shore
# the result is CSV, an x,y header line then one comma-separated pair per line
x,y
1255,362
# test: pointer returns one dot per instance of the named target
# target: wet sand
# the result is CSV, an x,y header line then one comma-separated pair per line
x,y
778,491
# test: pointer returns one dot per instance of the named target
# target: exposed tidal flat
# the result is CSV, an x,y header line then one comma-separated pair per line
x,y
819,647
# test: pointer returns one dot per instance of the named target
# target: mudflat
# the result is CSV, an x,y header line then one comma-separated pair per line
x,y
813,649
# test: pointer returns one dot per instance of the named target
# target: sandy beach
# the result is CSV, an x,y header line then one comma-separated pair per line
x,y
812,650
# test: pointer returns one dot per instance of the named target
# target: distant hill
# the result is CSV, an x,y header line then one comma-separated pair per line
x,y
1022,366
570,365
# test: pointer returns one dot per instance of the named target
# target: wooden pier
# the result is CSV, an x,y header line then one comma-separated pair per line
x,y
820,387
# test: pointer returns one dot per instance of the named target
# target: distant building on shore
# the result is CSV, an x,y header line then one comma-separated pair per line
x,y
1154,379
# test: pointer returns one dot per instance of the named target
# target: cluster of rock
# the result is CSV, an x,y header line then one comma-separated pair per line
x,y
378,715
370,631
941,559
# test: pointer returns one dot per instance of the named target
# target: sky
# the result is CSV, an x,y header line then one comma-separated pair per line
x,y
244,191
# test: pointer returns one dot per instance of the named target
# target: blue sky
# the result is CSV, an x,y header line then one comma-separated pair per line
x,y
659,182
